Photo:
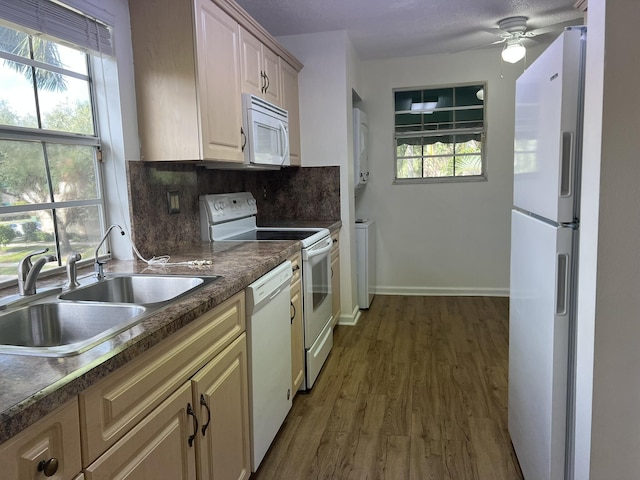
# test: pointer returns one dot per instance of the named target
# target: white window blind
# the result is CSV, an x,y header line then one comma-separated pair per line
x,y
59,22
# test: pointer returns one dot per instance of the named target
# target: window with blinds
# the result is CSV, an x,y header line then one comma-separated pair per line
x,y
439,134
50,175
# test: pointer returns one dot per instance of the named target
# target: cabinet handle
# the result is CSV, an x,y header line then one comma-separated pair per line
x,y
244,138
266,87
203,402
295,268
294,312
48,467
264,82
195,424
335,240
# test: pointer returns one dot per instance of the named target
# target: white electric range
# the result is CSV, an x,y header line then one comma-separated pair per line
x,y
232,217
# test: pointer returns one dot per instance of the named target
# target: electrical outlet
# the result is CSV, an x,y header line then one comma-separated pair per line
x,y
173,201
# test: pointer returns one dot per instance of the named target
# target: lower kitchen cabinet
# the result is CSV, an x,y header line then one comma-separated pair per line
x,y
158,447
49,448
220,392
335,278
297,329
201,431
178,411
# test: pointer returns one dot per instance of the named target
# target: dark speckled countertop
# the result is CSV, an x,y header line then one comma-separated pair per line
x,y
31,387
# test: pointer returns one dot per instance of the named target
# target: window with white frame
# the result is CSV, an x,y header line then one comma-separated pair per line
x,y
439,134
50,176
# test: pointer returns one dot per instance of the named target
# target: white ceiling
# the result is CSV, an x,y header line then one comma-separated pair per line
x,y
392,28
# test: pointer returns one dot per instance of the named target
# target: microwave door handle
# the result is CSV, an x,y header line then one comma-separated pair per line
x,y
285,135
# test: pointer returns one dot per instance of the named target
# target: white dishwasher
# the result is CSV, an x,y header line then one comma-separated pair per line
x,y
269,335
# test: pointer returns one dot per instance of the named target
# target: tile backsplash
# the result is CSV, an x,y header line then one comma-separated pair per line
x,y
303,194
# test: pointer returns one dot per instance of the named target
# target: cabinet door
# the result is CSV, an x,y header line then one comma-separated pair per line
x,y
55,438
220,103
158,447
289,100
221,392
251,71
271,69
297,338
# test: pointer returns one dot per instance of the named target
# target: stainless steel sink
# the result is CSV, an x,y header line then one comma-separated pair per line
x,y
79,319
59,329
138,289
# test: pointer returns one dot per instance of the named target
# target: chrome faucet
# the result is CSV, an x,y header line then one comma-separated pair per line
x,y
28,272
72,270
98,264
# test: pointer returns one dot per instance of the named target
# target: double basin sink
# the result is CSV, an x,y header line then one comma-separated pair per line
x,y
71,322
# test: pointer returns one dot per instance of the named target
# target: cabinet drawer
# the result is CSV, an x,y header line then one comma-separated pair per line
x,y
110,408
56,436
296,267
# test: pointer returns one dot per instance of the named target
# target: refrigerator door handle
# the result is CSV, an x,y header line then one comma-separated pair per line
x,y
567,162
562,287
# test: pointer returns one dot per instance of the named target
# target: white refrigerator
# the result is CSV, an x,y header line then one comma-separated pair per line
x,y
544,246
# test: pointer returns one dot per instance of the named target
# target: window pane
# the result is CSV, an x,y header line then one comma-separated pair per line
x,y
466,96
438,167
439,120
23,176
17,99
409,168
23,233
72,172
444,96
469,118
439,145
78,230
468,165
59,55
464,145
403,100
65,103
12,41
409,147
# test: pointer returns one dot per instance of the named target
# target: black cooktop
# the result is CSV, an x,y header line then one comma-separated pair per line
x,y
273,235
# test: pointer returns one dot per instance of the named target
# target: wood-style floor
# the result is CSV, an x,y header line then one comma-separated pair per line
x,y
417,390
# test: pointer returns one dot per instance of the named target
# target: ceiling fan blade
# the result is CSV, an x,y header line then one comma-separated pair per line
x,y
555,28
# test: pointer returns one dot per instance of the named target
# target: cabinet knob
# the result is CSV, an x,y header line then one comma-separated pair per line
x,y
48,467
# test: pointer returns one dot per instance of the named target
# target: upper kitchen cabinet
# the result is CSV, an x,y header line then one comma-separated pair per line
x,y
260,69
289,98
189,78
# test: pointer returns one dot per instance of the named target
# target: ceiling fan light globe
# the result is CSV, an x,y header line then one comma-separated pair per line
x,y
513,53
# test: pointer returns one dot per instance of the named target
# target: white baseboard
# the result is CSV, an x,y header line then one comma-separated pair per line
x,y
443,291
352,319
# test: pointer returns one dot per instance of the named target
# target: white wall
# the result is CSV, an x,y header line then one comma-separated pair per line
x,y
609,303
325,84
446,238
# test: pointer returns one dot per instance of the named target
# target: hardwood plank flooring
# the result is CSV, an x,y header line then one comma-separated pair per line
x,y
417,390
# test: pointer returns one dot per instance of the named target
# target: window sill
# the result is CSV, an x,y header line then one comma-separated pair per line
x,y
413,181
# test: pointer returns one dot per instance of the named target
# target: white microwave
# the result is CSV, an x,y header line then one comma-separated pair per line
x,y
266,133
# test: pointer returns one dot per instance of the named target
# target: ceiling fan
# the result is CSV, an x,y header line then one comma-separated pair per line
x,y
513,33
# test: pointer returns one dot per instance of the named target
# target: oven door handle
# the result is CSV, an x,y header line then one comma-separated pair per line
x,y
318,250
